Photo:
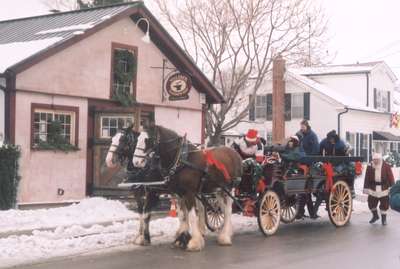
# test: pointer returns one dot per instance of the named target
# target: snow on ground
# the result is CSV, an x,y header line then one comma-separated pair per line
x,y
88,211
73,236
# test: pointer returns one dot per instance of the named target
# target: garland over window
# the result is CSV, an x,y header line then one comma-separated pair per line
x,y
55,139
124,70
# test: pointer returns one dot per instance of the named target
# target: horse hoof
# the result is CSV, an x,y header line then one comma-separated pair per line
x,y
141,241
224,241
195,245
182,240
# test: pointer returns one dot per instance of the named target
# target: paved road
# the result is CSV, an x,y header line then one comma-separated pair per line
x,y
300,245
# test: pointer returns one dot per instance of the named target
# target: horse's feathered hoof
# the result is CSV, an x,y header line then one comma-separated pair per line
x,y
224,241
141,241
182,240
195,244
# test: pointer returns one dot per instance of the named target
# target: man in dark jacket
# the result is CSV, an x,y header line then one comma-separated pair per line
x,y
332,145
309,140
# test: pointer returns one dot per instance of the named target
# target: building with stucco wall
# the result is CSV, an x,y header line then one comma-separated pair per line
x,y
62,67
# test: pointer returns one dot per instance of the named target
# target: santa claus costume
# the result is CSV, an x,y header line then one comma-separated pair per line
x,y
250,146
378,180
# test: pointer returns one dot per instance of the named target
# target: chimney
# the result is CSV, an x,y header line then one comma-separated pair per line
x,y
278,100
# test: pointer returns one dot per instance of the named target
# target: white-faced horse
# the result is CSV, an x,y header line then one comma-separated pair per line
x,y
189,172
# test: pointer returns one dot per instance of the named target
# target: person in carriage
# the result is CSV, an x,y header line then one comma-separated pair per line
x,y
250,146
309,143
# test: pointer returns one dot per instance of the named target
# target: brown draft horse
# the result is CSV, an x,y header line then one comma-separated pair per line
x,y
188,172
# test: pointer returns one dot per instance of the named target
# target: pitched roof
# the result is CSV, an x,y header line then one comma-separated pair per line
x,y
26,41
342,100
338,69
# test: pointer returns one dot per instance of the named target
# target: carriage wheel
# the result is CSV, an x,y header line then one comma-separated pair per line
x,y
289,210
269,213
214,215
340,204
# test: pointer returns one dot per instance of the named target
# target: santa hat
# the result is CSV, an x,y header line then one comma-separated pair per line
x,y
377,156
251,136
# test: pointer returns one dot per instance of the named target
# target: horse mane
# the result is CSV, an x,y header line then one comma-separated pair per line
x,y
167,132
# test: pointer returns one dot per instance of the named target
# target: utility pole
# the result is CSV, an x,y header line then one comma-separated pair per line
x,y
309,40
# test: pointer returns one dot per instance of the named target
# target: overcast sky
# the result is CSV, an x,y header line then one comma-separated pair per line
x,y
360,30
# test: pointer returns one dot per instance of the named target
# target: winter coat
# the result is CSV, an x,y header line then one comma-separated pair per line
x,y
309,143
395,196
371,186
293,154
337,149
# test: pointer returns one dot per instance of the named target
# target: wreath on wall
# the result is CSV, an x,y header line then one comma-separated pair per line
x,y
55,140
124,75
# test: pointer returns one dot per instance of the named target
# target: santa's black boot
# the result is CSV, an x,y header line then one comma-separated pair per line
x,y
375,217
384,222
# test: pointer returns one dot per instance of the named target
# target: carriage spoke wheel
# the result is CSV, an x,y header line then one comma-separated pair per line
x,y
340,204
269,213
214,215
289,210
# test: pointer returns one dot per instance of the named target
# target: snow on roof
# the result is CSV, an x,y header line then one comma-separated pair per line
x,y
345,101
67,28
337,69
25,37
13,53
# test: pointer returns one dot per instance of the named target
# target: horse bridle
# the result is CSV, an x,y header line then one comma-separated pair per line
x,y
156,150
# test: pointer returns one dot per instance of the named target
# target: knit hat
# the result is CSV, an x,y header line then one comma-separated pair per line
x,y
251,136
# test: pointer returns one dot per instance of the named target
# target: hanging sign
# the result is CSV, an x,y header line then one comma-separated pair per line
x,y
395,121
178,86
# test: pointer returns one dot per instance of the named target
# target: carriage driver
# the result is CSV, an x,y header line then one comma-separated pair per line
x,y
250,146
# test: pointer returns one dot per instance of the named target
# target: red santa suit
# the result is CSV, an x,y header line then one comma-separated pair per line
x,y
250,146
378,180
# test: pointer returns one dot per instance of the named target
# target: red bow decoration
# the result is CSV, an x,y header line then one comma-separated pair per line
x,y
220,166
358,168
329,176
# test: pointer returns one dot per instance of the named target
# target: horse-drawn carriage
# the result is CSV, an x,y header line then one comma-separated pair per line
x,y
221,182
271,191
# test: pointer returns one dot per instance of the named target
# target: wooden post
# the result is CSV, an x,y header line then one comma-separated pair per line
x,y
278,100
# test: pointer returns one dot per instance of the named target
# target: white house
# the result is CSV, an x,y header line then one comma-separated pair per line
x,y
356,100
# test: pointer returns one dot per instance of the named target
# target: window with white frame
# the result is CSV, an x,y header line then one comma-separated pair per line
x,y
261,107
351,141
110,125
42,120
382,102
365,141
297,105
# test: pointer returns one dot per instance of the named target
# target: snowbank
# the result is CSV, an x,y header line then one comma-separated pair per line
x,y
87,212
71,236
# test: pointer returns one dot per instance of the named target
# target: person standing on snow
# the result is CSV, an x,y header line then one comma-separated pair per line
x,y
378,180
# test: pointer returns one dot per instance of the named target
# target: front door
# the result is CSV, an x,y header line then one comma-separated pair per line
x,y
106,125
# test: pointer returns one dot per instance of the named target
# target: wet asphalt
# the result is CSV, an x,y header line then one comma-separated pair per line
x,y
305,244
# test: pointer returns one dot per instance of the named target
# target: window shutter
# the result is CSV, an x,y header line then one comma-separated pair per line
x,y
357,149
370,149
269,107
375,96
252,112
288,106
306,106
388,99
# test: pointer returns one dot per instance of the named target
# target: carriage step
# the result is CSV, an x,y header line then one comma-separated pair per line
x,y
129,185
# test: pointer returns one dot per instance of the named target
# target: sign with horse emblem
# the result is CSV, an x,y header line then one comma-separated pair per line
x,y
178,86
